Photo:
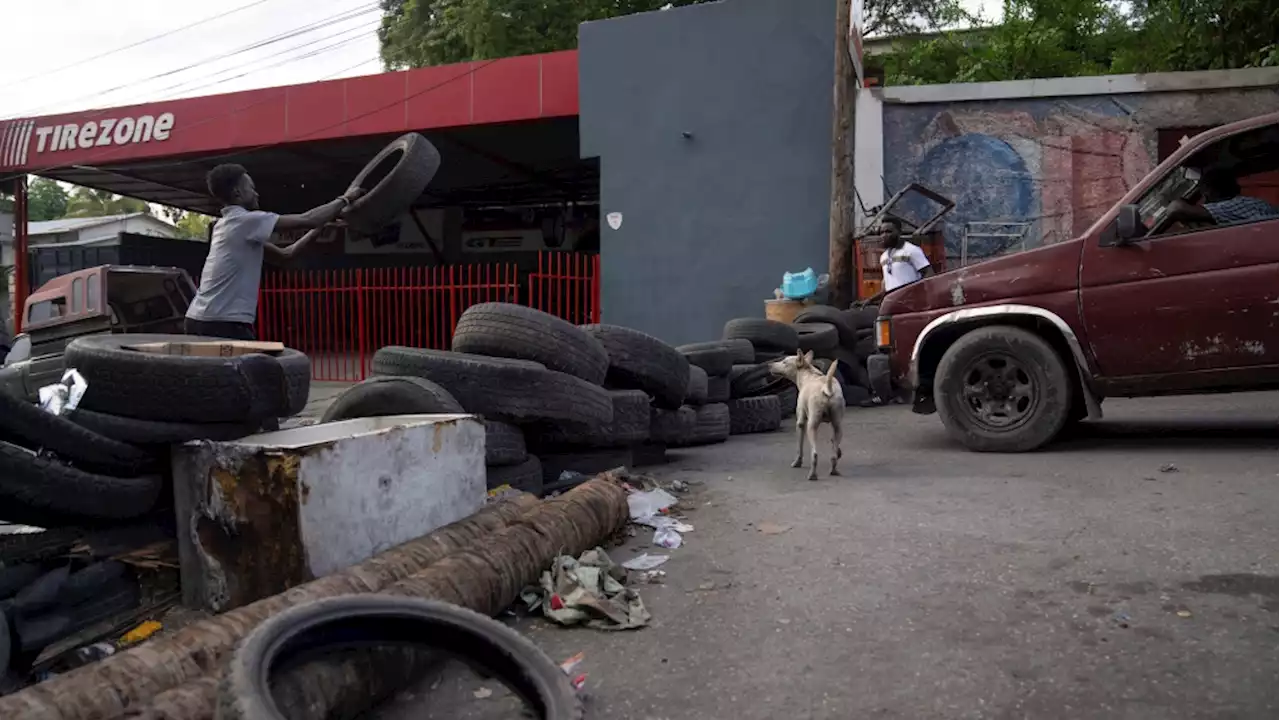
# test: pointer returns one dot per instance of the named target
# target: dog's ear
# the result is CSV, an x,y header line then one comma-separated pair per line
x,y
807,358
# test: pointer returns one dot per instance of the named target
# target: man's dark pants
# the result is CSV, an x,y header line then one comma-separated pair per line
x,y
228,330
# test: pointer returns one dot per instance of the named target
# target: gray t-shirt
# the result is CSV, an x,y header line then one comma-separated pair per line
x,y
229,284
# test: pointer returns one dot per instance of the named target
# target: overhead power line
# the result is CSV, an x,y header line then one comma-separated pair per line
x,y
132,45
320,24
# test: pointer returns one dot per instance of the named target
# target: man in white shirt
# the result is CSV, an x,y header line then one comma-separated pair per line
x,y
902,262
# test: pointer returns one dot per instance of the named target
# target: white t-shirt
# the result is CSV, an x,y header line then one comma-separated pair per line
x,y
902,265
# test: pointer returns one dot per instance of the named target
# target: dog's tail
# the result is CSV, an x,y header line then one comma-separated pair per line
x,y
828,389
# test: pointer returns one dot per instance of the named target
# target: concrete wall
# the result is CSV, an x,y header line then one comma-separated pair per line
x,y
1056,153
710,221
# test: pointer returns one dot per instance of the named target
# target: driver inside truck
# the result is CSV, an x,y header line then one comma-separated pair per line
x,y
1223,203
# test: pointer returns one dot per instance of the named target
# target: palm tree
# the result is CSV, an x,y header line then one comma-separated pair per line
x,y
87,202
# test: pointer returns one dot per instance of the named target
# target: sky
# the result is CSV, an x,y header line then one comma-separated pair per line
x,y
52,34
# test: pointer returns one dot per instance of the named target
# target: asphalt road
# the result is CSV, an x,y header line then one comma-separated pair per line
x,y
1129,572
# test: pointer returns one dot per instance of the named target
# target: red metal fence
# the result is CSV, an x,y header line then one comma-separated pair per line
x,y
340,317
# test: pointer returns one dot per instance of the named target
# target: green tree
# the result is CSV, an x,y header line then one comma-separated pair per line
x,y
1064,38
416,33
88,202
194,225
46,200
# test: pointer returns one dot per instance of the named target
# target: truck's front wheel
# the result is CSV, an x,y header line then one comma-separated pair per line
x,y
1002,389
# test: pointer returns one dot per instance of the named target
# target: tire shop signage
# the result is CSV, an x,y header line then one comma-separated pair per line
x,y
23,140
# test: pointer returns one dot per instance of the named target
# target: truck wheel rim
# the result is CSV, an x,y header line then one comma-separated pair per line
x,y
999,392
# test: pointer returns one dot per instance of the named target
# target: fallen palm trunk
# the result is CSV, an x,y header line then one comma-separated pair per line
x,y
108,688
484,576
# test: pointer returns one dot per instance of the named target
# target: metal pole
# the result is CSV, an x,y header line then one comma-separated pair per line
x,y
20,280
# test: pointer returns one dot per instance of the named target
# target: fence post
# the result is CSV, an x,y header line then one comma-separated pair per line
x,y
361,336
595,288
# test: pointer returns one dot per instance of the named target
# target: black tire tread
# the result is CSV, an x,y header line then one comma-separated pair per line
x,y
767,335
710,426
158,432
517,391
384,395
39,491
25,424
643,362
517,332
754,414
503,444
697,390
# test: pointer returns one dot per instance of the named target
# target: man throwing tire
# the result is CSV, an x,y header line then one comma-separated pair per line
x,y
226,304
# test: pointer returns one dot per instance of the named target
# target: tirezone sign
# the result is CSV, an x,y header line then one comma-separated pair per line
x,y
24,140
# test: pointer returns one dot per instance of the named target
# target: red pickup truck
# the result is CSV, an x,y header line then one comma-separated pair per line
x,y
1172,291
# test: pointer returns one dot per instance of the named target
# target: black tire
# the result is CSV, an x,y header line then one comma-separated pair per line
x,y
671,427
856,396
172,388
527,476
763,358
787,398
862,318
390,395
818,336
713,361
16,577
852,369
827,315
1005,351
630,425
746,380
710,426
517,391
517,332
878,376
25,424
865,348
38,491
157,432
697,389
754,415
740,351
586,462
57,543
768,335
643,362
61,588
503,444
717,389
392,188
309,631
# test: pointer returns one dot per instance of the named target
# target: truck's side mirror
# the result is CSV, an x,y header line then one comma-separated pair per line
x,y
1124,229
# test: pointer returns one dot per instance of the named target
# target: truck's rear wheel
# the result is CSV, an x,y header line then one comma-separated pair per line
x,y
1002,389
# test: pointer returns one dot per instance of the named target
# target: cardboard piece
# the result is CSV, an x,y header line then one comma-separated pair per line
x,y
209,348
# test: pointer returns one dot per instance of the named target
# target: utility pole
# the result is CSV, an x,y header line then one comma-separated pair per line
x,y
842,193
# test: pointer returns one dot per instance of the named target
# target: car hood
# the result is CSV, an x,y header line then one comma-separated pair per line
x,y
1048,269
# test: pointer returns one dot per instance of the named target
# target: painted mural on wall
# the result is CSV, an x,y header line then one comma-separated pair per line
x,y
1048,166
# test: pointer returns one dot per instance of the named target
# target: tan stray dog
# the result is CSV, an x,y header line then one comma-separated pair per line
x,y
820,398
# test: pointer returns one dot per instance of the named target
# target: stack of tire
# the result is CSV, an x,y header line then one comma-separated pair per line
x,y
742,357
713,361
846,336
538,383
100,468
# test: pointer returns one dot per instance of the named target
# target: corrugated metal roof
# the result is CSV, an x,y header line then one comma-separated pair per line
x,y
51,227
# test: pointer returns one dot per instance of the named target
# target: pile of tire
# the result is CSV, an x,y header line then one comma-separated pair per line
x,y
748,407
846,336
538,382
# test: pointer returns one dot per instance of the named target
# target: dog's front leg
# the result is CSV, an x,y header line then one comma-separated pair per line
x,y
811,429
800,435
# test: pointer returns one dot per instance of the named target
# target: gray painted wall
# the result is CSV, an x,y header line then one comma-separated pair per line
x,y
710,222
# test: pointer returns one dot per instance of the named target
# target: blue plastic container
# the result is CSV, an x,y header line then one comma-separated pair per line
x,y
798,286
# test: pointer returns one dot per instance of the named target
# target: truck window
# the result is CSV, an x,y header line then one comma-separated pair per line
x,y
1230,182
95,291
77,295
47,310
